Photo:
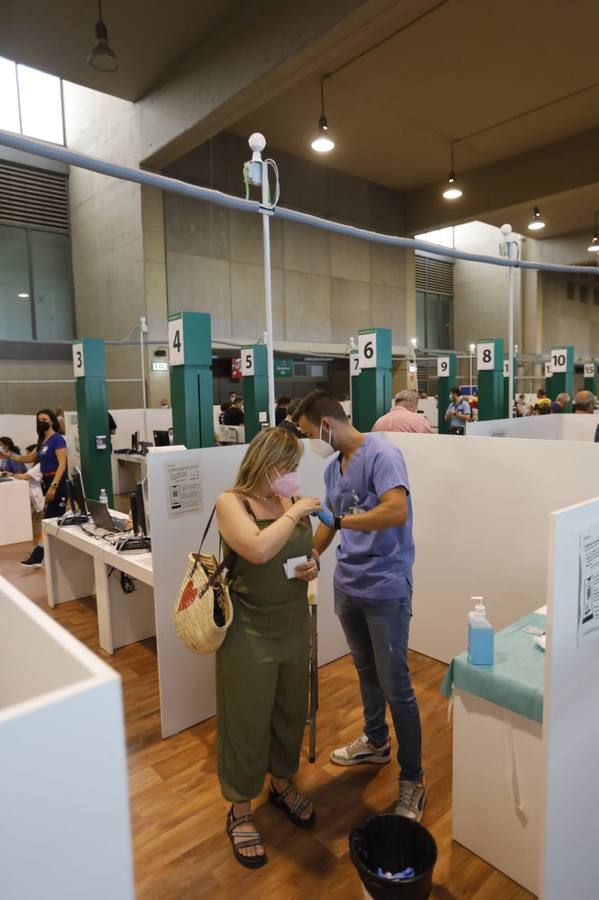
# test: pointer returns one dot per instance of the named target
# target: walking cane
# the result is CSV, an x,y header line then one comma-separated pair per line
x,y
313,706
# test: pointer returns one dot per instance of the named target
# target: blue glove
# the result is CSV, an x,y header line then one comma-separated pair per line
x,y
326,516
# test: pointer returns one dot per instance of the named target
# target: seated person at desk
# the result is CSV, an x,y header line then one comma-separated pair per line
x,y
51,453
8,465
404,415
234,415
584,403
560,403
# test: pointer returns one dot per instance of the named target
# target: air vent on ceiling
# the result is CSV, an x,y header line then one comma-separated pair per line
x,y
434,275
33,197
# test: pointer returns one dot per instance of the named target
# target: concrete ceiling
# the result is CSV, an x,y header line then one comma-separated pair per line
x,y
147,37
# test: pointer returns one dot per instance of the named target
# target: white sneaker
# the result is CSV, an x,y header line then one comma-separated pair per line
x,y
361,751
412,798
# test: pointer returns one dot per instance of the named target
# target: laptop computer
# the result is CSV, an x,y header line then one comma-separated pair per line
x,y
102,518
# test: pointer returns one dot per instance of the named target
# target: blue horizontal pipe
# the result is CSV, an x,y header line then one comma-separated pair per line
x,y
174,185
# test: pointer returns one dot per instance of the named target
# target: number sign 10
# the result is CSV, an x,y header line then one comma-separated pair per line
x,y
176,349
559,360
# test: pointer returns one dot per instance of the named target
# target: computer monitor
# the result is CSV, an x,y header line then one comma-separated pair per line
x,y
77,492
161,439
135,442
140,509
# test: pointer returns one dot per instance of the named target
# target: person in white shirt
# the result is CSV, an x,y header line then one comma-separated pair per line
x,y
404,416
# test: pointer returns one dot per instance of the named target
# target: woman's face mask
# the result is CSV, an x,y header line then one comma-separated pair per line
x,y
287,485
42,426
321,447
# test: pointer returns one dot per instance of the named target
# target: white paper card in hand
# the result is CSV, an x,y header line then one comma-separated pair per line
x,y
292,564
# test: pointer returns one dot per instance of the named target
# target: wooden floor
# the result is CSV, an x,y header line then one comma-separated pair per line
x,y
177,813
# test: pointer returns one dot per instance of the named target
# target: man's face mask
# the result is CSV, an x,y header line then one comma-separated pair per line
x,y
322,447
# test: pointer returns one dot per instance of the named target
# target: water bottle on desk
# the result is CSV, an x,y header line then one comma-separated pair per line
x,y
104,497
481,637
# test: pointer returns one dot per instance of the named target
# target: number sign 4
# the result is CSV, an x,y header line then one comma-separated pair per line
x,y
176,349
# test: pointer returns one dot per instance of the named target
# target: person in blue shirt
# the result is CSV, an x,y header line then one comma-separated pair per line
x,y
368,492
8,465
51,453
458,412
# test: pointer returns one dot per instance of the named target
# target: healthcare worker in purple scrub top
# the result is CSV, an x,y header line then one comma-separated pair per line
x,y
368,495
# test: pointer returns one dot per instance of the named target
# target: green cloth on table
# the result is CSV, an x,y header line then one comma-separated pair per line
x,y
515,681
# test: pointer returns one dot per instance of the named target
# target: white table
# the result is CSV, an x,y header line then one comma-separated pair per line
x,y
15,520
79,565
498,780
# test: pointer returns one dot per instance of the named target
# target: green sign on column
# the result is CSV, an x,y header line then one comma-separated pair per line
x,y
92,417
192,394
371,385
447,367
562,373
590,377
254,371
491,389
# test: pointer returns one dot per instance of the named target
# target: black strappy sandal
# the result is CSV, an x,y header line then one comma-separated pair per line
x,y
250,839
297,807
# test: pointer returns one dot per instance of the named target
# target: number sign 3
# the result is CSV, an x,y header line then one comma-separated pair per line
x,y
176,350
78,361
367,350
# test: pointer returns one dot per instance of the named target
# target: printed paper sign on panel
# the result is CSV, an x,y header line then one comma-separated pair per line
x,y
588,599
184,488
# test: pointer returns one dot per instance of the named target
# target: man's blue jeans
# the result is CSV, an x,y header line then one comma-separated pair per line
x,y
377,633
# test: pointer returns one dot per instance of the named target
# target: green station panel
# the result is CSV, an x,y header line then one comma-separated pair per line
x,y
562,373
447,369
491,388
371,382
192,394
92,417
590,377
254,371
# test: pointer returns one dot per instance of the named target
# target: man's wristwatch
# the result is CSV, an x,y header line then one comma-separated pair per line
x,y
338,522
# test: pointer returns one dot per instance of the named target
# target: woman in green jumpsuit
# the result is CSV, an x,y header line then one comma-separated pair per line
x,y
262,666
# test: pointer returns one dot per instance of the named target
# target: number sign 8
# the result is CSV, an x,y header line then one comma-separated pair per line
x,y
485,356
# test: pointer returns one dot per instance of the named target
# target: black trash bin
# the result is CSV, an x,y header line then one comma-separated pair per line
x,y
394,843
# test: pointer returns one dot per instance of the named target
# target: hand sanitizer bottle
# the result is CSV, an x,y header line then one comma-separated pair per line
x,y
104,497
481,637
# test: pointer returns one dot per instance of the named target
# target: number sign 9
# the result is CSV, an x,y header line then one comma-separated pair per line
x,y
247,362
367,350
176,350
78,361
485,356
559,359
443,367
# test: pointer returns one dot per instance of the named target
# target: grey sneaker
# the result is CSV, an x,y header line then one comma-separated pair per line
x,y
361,751
412,798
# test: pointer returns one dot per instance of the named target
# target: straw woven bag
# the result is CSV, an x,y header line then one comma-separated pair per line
x,y
204,611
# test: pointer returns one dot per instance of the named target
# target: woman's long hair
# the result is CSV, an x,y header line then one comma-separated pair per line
x,y
273,448
55,425
12,447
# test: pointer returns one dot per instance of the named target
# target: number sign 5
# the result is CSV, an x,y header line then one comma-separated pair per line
x,y
367,350
176,350
247,362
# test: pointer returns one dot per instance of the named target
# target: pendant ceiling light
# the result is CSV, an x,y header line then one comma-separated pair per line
x,y
536,223
102,58
323,143
594,245
452,191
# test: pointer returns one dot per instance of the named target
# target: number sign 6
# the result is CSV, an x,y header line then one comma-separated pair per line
x,y
367,350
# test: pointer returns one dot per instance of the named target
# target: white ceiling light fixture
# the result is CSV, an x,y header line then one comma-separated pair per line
x,y
324,142
452,191
23,295
536,223
102,57
594,245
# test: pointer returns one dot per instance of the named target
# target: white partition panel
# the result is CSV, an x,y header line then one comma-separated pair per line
x,y
187,680
481,513
556,427
20,428
15,518
569,858
64,814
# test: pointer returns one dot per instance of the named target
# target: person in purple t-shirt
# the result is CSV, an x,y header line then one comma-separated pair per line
x,y
368,493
